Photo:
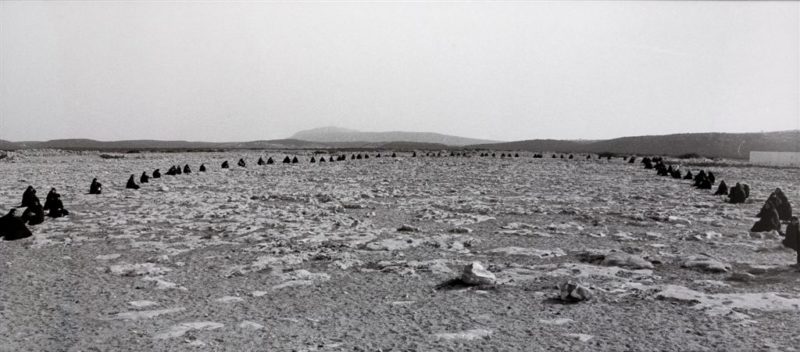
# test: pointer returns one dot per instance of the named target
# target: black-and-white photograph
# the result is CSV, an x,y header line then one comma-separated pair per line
x,y
318,176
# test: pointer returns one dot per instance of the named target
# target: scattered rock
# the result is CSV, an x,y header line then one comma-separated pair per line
x,y
465,335
476,274
580,337
407,228
145,314
704,263
626,260
541,253
573,292
137,269
182,328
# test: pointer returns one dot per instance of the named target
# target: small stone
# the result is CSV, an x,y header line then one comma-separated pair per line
x,y
460,230
476,274
573,292
627,261
704,263
407,228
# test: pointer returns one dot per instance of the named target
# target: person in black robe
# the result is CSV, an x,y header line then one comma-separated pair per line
x,y
225,164
722,189
187,169
48,201
57,210
737,194
34,215
260,161
287,160
29,197
131,184
202,168
13,228
144,178
96,187
156,173
270,161
769,221
295,160
313,160
241,163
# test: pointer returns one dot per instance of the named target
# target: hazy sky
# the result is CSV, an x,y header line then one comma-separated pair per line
x,y
496,70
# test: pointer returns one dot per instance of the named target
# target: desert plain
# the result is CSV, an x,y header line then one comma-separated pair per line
x,y
364,255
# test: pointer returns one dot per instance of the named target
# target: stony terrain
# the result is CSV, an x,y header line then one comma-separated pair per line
x,y
361,256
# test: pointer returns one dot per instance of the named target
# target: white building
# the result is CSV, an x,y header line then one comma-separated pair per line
x,y
775,158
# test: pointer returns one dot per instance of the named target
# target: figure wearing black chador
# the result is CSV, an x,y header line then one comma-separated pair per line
x,y
29,197
156,173
34,215
144,178
131,184
270,161
722,189
313,160
12,228
241,163
286,160
202,168
57,210
48,201
96,187
737,194
187,169
260,161
225,164
295,161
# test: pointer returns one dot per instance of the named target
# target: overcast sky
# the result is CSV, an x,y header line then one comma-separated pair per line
x,y
495,70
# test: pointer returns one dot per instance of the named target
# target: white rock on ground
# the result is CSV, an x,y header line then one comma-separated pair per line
x,y
704,263
626,260
182,328
145,314
475,274
465,335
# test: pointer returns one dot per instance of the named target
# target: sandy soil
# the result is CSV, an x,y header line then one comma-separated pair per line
x,y
308,257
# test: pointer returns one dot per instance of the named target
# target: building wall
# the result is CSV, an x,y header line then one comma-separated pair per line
x,y
775,158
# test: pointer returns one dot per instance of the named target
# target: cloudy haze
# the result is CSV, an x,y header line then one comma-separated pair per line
x,y
503,71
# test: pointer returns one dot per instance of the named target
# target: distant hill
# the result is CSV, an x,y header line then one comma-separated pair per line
x,y
720,145
336,134
6,145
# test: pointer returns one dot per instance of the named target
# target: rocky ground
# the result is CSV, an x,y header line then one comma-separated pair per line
x,y
362,255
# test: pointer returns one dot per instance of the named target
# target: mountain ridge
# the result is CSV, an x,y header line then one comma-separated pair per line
x,y
711,144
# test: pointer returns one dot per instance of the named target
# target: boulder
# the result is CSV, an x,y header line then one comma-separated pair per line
x,y
573,292
476,274
704,263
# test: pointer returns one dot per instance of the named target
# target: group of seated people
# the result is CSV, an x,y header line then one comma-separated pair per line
x,y
12,227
